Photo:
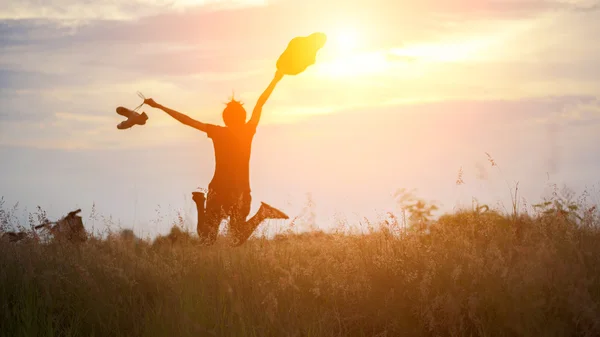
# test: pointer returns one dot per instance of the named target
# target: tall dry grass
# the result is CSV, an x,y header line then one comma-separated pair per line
x,y
470,273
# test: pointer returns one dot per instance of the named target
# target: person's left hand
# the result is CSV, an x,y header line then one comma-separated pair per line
x,y
150,102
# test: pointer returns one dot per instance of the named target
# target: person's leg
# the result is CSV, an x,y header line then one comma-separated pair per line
x,y
209,218
239,211
243,229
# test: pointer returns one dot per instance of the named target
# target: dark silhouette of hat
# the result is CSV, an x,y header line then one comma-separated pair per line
x,y
300,53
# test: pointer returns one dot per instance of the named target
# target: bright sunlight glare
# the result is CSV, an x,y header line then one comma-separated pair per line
x,y
449,51
355,65
344,40
344,58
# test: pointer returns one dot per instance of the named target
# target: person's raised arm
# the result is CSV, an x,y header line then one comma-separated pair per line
x,y
263,98
178,115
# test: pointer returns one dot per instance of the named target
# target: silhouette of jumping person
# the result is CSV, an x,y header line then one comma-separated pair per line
x,y
229,190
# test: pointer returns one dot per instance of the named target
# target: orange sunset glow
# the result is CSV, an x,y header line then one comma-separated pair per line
x,y
299,168
395,80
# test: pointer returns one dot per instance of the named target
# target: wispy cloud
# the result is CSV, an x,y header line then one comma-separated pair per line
x,y
190,55
74,11
83,118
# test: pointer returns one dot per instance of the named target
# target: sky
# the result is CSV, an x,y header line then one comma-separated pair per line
x,y
405,94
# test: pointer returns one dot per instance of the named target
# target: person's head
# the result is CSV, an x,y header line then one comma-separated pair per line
x,y
234,113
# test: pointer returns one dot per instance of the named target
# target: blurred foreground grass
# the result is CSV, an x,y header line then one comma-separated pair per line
x,y
466,274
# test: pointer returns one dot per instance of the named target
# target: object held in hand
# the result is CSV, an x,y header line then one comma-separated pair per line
x,y
133,118
300,53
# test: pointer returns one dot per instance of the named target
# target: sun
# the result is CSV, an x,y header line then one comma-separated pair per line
x,y
346,55
344,40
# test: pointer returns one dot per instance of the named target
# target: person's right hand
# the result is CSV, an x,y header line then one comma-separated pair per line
x,y
150,102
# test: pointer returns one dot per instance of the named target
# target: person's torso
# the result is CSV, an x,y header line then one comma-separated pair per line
x,y
232,158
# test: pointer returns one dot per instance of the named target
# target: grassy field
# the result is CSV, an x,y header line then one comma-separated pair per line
x,y
471,273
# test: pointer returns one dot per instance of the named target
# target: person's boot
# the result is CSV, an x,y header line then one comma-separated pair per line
x,y
133,118
269,212
199,198
265,211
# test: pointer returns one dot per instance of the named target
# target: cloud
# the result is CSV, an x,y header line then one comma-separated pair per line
x,y
79,129
83,118
74,11
194,58
585,113
32,80
200,23
390,56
